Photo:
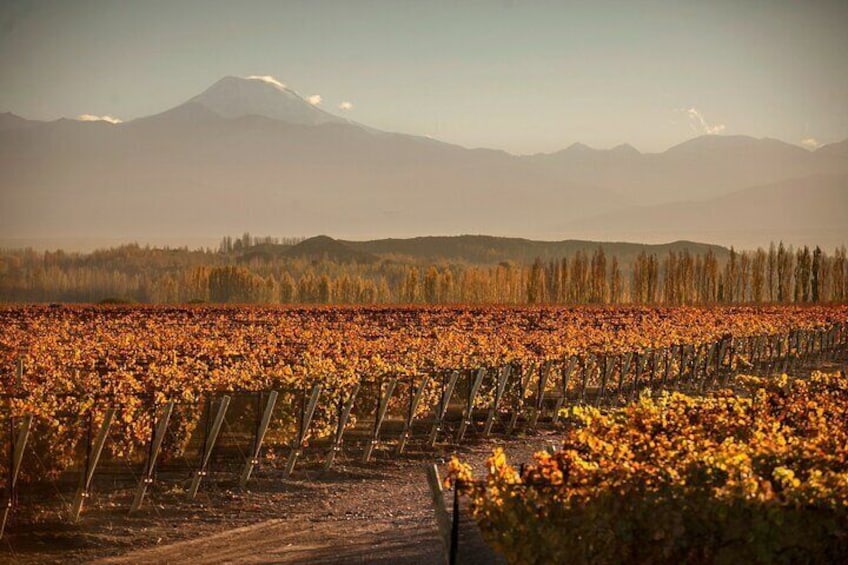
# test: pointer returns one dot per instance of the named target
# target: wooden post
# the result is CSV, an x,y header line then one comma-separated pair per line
x,y
442,518
382,407
259,437
468,412
344,416
92,458
307,410
16,452
442,408
414,401
500,387
155,447
209,445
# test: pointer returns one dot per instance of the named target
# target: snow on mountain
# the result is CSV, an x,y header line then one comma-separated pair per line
x,y
234,97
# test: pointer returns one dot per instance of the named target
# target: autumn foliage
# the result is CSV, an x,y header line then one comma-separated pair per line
x,y
759,474
77,361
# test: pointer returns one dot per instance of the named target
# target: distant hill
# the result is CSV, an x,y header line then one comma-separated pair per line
x,y
469,249
483,249
810,210
326,248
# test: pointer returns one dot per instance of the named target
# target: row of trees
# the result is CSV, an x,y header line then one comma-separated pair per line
x,y
779,274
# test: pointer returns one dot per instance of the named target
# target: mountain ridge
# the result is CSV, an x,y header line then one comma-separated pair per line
x,y
190,170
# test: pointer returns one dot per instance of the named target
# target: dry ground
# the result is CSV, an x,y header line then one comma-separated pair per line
x,y
375,513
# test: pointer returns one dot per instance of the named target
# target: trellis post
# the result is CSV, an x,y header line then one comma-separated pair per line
x,y
414,401
92,457
502,379
468,412
259,437
540,398
379,416
155,448
16,457
442,408
209,445
344,414
306,413
566,374
518,408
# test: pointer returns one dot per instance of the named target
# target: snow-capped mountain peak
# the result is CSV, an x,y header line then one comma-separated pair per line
x,y
234,97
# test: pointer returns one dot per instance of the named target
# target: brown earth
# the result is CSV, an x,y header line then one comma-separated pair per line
x,y
379,512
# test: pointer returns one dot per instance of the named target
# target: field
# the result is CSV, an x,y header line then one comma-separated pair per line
x,y
170,393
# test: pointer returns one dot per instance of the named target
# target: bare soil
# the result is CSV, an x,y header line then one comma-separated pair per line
x,y
380,512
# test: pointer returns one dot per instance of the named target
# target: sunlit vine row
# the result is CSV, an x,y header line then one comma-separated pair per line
x,y
77,360
756,477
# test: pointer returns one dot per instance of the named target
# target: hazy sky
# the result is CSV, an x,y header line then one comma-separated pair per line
x,y
518,75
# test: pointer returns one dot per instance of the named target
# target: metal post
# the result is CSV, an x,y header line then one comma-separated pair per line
x,y
93,452
261,429
468,412
382,407
500,387
540,398
414,401
523,381
637,371
16,451
442,409
584,383
209,445
606,372
344,415
303,431
566,374
155,447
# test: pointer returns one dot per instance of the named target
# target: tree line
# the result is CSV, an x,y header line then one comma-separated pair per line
x,y
132,273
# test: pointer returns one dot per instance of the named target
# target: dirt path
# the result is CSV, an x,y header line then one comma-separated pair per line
x,y
375,513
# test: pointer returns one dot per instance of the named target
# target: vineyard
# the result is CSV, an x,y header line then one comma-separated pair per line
x,y
147,387
758,477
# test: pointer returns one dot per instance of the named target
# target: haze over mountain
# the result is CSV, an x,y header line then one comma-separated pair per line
x,y
252,154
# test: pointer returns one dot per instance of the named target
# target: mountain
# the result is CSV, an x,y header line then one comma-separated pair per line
x,y
9,121
704,167
233,97
253,154
191,171
836,150
809,210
